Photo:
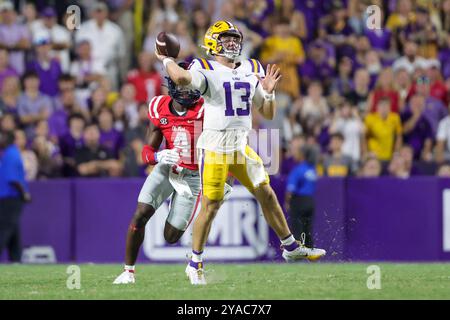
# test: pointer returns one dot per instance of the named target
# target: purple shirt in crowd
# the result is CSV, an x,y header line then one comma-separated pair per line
x,y
343,32
329,49
113,140
372,80
68,145
28,106
312,11
434,112
57,123
417,137
11,35
380,39
313,71
412,29
259,16
48,75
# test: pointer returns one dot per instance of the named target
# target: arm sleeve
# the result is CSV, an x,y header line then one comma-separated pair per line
x,y
199,81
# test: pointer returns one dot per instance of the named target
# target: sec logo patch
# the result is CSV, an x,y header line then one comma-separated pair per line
x,y
164,121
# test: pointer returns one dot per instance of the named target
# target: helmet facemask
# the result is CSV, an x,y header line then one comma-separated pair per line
x,y
231,43
183,94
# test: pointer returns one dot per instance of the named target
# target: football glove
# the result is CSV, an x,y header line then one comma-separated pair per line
x,y
167,156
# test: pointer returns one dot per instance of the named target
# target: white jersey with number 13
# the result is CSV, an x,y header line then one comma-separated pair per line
x,y
229,95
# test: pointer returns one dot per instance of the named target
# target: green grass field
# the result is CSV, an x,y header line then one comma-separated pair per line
x,y
230,281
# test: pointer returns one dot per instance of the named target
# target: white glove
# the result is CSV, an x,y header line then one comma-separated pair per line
x,y
227,191
167,156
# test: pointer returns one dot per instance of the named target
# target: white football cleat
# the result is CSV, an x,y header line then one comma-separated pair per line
x,y
302,252
125,277
195,273
298,251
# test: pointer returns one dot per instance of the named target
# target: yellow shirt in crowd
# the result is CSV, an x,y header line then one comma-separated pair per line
x,y
291,50
381,134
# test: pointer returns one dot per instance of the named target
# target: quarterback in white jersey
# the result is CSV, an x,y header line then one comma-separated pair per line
x,y
229,96
230,88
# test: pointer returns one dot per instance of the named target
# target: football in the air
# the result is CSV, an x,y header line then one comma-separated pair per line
x,y
167,44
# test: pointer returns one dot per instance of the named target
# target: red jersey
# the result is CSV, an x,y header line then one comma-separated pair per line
x,y
438,90
179,131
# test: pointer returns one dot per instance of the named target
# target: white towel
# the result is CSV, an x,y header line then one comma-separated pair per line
x,y
179,184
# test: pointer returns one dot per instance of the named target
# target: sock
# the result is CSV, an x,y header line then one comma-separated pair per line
x,y
196,256
289,243
129,268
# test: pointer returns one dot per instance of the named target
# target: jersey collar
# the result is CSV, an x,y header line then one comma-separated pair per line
x,y
174,112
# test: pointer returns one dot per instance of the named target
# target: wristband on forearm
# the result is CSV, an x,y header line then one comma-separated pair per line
x,y
149,155
269,97
167,61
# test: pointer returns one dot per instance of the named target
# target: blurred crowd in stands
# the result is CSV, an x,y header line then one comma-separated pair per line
x,y
370,101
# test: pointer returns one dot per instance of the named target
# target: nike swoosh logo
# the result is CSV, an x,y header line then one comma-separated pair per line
x,y
249,75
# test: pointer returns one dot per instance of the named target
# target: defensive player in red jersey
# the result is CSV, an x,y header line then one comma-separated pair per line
x,y
176,118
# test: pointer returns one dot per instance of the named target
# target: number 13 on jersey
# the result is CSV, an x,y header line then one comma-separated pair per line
x,y
245,89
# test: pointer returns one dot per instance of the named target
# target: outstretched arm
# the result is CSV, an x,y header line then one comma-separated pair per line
x,y
192,78
265,97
